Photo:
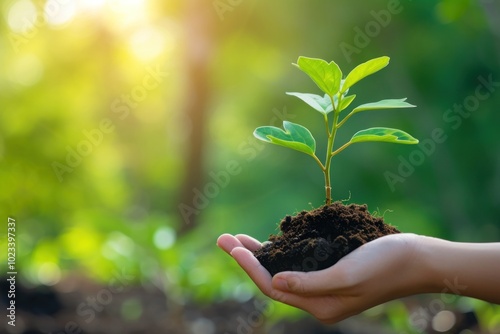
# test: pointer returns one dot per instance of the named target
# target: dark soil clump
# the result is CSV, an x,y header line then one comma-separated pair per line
x,y
317,239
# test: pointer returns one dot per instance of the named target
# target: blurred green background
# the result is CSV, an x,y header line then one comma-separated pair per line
x,y
116,115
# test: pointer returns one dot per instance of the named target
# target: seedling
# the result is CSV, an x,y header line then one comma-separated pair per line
x,y
328,77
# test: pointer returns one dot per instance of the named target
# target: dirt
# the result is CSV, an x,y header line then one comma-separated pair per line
x,y
317,239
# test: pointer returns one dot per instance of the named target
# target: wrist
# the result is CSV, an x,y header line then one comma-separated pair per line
x,y
442,263
429,264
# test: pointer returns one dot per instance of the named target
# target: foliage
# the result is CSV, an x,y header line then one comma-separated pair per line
x,y
328,77
118,209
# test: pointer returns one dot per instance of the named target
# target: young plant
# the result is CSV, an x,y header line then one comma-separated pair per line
x,y
328,77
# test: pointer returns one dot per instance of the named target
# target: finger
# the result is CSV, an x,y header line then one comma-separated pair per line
x,y
314,283
326,308
249,242
259,275
227,243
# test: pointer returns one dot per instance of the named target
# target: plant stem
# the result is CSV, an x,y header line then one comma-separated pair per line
x,y
328,187
327,126
326,169
331,141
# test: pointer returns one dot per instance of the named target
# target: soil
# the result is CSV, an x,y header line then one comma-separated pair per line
x,y
317,239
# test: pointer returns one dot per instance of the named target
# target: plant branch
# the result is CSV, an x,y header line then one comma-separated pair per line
x,y
345,119
319,162
341,148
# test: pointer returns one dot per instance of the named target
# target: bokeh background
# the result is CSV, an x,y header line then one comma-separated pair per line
x,y
126,148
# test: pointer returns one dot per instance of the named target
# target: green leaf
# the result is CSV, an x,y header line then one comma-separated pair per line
x,y
344,91
383,135
326,75
346,101
323,104
383,104
295,137
363,70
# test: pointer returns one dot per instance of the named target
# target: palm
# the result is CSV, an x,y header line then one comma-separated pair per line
x,y
368,276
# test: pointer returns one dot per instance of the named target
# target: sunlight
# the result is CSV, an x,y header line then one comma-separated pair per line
x,y
122,16
113,7
128,14
120,244
49,273
147,43
21,16
164,238
58,13
92,5
127,6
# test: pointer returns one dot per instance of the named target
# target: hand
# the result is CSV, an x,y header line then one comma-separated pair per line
x,y
384,269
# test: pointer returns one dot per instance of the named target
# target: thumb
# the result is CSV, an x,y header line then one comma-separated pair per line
x,y
309,284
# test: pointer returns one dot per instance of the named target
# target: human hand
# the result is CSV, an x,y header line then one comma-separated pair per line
x,y
381,270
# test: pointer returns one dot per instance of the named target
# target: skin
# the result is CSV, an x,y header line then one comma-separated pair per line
x,y
387,268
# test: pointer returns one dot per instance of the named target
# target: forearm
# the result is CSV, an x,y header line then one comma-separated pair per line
x,y
468,269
